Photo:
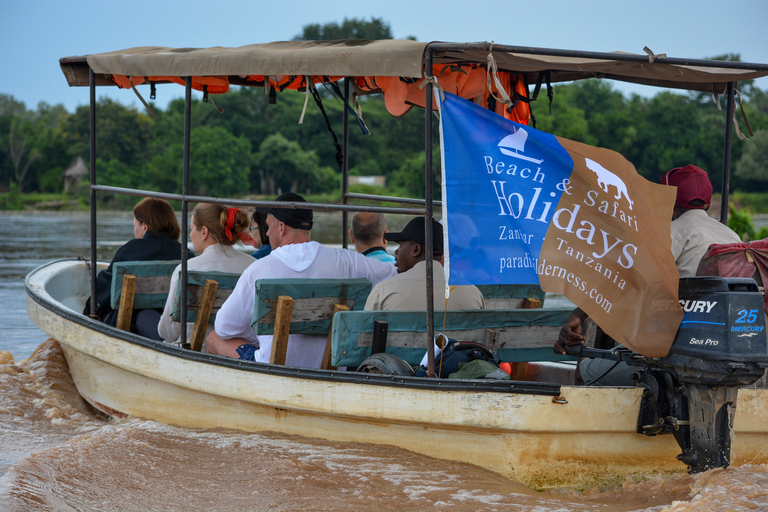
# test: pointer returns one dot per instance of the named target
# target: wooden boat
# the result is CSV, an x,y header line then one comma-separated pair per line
x,y
543,434
540,434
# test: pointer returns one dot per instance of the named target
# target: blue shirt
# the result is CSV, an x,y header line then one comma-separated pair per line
x,y
379,253
262,251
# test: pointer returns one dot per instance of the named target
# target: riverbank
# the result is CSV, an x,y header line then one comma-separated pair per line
x,y
44,202
17,201
755,204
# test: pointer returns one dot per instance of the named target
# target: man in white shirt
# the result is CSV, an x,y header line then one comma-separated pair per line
x,y
405,292
293,256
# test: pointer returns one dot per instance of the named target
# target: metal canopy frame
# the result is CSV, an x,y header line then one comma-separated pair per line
x,y
433,52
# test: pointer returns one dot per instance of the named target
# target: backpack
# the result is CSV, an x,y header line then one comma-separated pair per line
x,y
455,352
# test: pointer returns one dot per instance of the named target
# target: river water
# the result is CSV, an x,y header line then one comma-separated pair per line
x,y
56,453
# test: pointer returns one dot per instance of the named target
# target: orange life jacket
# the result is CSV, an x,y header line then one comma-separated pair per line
x,y
466,81
211,84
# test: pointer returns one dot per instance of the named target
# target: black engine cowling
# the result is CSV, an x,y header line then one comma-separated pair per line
x,y
691,393
722,339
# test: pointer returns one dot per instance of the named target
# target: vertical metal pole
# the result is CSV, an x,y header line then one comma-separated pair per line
x,y
429,249
345,166
729,110
92,157
184,193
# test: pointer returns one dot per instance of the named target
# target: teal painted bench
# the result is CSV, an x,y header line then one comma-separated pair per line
x,y
512,296
153,281
514,335
195,284
303,306
139,285
206,292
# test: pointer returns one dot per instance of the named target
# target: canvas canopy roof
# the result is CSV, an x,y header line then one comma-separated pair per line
x,y
402,58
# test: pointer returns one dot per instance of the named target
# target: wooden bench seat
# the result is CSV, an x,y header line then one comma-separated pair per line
x,y
303,306
139,285
206,292
514,335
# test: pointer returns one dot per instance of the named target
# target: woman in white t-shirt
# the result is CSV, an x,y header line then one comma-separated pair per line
x,y
214,231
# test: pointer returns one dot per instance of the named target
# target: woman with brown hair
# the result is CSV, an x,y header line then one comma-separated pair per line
x,y
214,230
157,232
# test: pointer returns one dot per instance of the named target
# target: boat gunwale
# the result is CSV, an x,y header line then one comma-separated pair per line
x,y
480,385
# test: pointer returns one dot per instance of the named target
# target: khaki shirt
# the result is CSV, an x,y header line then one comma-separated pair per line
x,y
692,234
406,292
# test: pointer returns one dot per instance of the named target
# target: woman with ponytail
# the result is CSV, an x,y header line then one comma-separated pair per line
x,y
214,230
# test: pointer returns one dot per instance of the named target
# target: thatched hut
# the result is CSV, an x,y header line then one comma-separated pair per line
x,y
74,174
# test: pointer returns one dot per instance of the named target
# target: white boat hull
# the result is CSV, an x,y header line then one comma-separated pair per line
x,y
555,436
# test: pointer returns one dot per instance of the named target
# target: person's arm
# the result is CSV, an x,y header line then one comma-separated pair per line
x,y
215,344
570,333
370,268
166,328
233,320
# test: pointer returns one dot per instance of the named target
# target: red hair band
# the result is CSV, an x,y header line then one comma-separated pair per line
x,y
231,212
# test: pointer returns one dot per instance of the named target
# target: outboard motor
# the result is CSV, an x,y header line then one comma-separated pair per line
x,y
691,393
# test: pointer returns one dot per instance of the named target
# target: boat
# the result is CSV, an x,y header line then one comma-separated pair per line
x,y
543,434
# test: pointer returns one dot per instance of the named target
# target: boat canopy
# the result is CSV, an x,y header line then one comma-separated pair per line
x,y
400,58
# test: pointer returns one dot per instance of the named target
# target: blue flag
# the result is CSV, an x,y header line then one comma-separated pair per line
x,y
501,183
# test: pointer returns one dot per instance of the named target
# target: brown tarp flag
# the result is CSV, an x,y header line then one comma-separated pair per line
x,y
607,250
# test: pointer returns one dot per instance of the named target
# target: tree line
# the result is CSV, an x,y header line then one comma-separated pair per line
x,y
243,144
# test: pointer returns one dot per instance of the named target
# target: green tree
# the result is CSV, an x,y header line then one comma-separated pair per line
x,y
122,133
12,114
350,28
283,165
53,161
741,223
753,164
409,178
21,150
221,163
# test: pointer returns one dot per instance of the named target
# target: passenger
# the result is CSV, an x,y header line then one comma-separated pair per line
x,y
258,234
293,256
693,231
405,292
157,232
214,231
367,235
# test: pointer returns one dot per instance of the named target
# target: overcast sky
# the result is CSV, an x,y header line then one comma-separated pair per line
x,y
34,34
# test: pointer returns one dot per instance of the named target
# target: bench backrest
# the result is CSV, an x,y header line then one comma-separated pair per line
x,y
153,281
313,302
510,296
195,284
513,335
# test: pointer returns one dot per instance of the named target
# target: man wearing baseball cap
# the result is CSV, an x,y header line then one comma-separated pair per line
x,y
293,256
693,231
405,291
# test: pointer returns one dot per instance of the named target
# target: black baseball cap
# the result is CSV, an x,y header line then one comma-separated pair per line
x,y
414,231
297,218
